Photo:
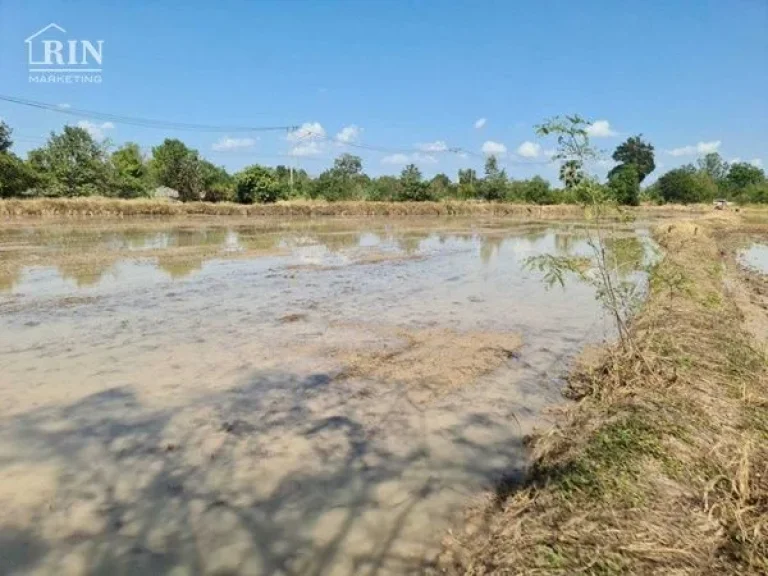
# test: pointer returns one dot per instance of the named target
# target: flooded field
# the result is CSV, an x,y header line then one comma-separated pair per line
x,y
274,397
755,257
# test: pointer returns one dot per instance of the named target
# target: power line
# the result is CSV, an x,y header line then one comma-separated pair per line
x,y
210,128
143,122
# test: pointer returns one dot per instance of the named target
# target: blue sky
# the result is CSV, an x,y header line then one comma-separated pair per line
x,y
410,77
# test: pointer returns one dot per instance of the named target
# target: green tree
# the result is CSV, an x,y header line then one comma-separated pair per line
x,y
131,178
178,167
72,164
624,184
217,183
348,166
537,190
637,152
257,184
384,189
714,166
741,174
412,187
294,182
440,186
5,138
345,181
16,176
467,183
571,174
680,185
494,185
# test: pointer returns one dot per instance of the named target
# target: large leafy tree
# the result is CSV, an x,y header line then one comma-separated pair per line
x,y
412,187
5,137
345,181
714,166
624,184
72,164
467,183
495,183
680,185
741,174
178,167
440,186
637,152
257,184
217,183
131,171
16,176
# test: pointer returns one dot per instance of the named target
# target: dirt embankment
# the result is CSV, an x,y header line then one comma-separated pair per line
x,y
112,207
662,465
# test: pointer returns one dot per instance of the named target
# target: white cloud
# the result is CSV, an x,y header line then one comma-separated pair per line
x,y
735,160
396,159
436,146
308,130
601,129
97,131
494,148
226,144
699,148
309,148
480,122
403,159
756,162
529,149
349,134
64,106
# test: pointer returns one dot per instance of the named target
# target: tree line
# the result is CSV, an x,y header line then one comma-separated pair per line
x,y
72,163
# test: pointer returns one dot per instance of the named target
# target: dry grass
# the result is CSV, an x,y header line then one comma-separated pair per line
x,y
662,466
112,207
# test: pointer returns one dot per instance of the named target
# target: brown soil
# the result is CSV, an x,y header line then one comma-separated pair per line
x,y
433,361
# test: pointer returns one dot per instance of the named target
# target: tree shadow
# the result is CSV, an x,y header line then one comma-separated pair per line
x,y
284,473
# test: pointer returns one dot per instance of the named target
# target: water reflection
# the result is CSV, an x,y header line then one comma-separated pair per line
x,y
83,258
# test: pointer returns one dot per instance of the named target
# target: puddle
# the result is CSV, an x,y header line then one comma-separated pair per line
x,y
756,258
218,398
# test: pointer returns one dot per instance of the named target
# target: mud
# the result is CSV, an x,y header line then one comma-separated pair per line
x,y
237,414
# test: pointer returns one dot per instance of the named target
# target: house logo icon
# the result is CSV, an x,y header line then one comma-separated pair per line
x,y
55,58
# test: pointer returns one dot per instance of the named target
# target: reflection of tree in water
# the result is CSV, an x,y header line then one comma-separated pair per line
x,y
627,254
198,237
563,243
410,242
489,247
533,235
84,273
340,241
177,267
257,242
9,277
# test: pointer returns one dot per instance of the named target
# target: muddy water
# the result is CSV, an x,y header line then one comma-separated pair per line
x,y
755,257
191,398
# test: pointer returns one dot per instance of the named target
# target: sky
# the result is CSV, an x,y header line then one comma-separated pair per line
x,y
437,83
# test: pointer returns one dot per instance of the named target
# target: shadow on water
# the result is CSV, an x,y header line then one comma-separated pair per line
x,y
141,491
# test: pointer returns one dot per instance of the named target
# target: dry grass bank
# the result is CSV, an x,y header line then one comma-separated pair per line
x,y
113,207
662,465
